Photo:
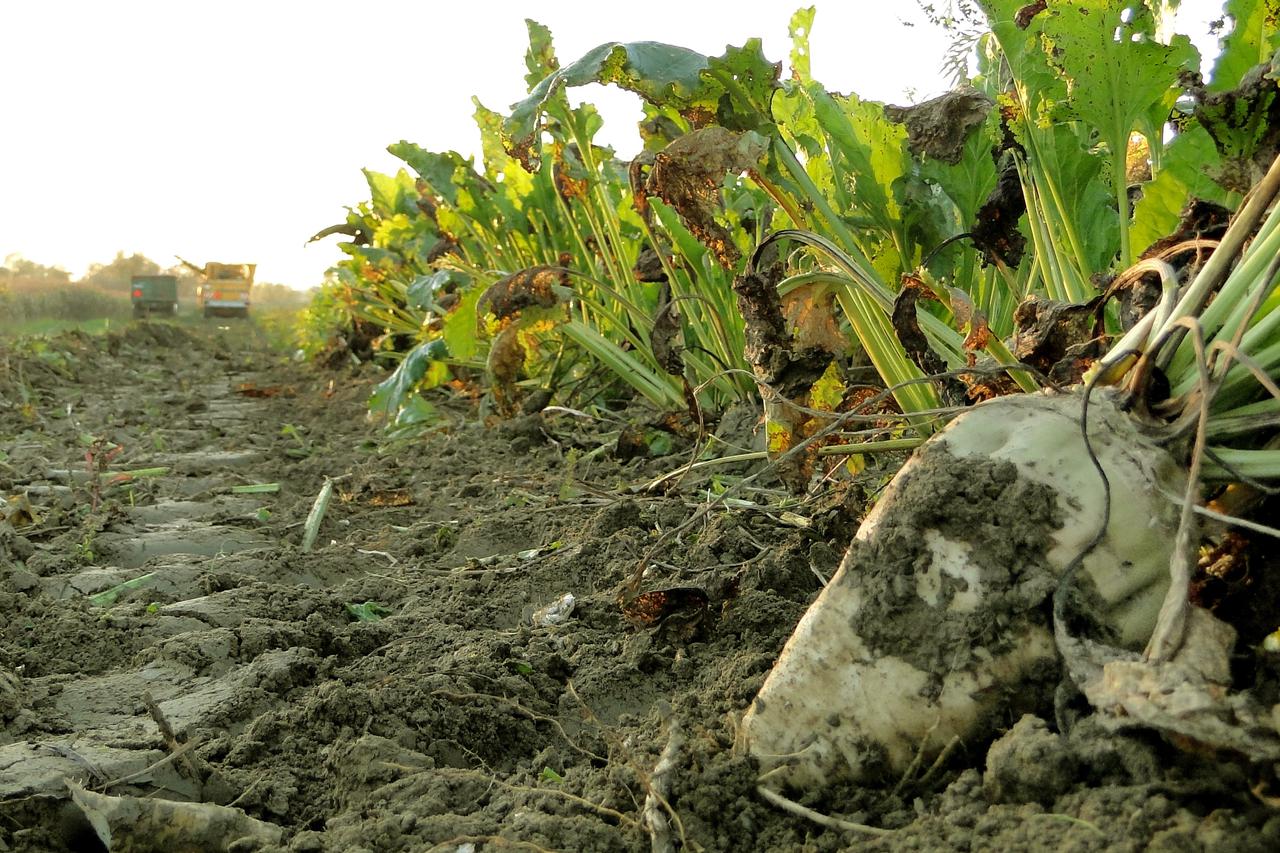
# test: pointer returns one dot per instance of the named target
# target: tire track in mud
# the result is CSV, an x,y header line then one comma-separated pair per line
x,y
177,568
453,715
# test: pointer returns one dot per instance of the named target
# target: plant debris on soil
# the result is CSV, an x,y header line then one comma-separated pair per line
x,y
450,666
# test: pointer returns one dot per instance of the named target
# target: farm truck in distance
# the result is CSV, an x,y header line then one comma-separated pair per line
x,y
153,294
224,288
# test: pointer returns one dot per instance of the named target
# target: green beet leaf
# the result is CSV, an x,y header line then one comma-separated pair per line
x,y
799,28
516,184
460,326
1189,162
1254,39
1115,70
412,236
391,394
439,170
391,194
749,80
416,411
968,182
540,58
423,291
659,73
1038,83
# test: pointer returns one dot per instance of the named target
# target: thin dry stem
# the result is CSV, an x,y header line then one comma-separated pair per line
x,y
940,761
674,742
187,764
603,811
1172,619
150,768
495,840
1233,521
818,817
514,705
914,766
656,805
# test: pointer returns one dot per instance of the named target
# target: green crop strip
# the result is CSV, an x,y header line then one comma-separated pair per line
x,y
1076,145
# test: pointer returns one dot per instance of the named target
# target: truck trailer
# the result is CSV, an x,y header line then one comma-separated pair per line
x,y
153,294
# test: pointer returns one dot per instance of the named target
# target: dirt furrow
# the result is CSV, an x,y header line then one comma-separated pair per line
x,y
168,646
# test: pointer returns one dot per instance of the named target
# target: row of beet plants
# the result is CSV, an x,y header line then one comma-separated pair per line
x,y
779,239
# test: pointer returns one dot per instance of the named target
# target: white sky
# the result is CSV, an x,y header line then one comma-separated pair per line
x,y
232,130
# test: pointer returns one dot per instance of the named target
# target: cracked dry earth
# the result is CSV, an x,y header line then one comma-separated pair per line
x,y
176,673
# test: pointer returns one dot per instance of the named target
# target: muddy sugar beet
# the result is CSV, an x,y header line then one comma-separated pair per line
x,y
938,623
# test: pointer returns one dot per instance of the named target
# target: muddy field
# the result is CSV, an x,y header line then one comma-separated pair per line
x,y
416,681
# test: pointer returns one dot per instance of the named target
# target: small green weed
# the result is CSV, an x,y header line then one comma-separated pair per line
x,y
367,611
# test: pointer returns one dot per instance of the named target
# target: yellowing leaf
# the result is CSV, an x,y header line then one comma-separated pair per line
x,y
778,438
811,318
828,391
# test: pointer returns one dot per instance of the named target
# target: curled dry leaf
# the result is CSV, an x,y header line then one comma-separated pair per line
x,y
810,313
1187,697
534,287
665,339
786,371
995,229
971,321
1060,339
977,337
939,128
506,358
1244,123
571,177
776,357
649,267
510,301
638,177
686,604
1025,14
907,327
147,825
913,339
687,175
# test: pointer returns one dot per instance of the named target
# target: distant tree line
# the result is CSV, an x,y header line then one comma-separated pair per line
x,y
20,275
18,271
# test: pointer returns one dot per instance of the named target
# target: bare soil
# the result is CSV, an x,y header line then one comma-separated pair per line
x,y
400,687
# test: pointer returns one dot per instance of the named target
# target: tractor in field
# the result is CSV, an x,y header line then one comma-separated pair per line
x,y
224,289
